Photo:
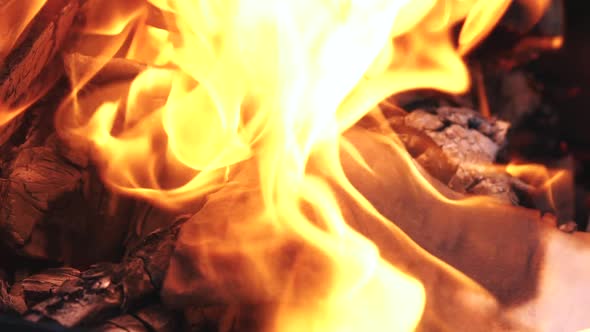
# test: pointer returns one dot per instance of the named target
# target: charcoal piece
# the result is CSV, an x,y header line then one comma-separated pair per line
x,y
12,299
4,288
70,309
38,177
421,146
41,286
51,208
465,145
458,147
124,323
436,163
147,219
495,130
497,186
106,290
423,120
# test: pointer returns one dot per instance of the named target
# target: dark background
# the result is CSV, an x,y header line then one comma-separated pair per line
x,y
565,79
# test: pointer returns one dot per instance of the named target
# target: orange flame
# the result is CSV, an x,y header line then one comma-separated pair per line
x,y
265,88
545,182
16,16
16,20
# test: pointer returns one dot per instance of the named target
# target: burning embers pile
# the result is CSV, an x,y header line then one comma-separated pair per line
x,y
301,208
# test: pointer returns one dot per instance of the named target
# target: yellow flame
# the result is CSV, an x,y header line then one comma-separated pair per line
x,y
270,86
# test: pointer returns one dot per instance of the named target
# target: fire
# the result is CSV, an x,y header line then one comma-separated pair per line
x,y
16,17
546,182
247,101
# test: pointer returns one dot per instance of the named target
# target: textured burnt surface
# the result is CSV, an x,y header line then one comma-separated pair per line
x,y
72,297
29,70
51,206
455,145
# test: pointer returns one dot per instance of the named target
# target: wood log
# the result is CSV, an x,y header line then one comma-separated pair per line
x,y
26,73
41,286
29,71
107,290
51,208
40,224
53,202
11,303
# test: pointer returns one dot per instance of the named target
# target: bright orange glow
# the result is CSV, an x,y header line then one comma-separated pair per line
x,y
245,98
541,178
16,19
16,16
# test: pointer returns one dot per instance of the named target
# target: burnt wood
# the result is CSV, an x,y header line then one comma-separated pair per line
x,y
31,69
107,290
